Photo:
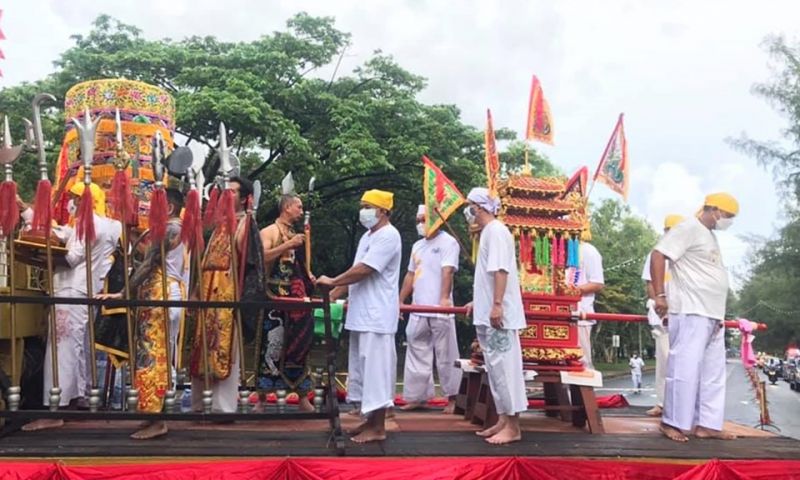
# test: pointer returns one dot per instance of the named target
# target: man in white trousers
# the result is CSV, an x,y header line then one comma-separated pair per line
x,y
433,263
658,324
636,363
498,315
372,316
694,398
590,281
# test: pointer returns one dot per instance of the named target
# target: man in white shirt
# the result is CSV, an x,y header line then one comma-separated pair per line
x,y
72,338
498,316
636,364
372,315
590,281
433,262
695,385
659,329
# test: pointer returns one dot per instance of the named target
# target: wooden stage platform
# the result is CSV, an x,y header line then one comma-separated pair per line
x,y
629,434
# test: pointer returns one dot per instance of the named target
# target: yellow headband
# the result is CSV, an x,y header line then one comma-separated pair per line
x,y
379,198
723,201
98,196
672,220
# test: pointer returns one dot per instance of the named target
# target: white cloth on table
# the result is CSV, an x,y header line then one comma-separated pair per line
x,y
695,383
372,370
430,339
502,356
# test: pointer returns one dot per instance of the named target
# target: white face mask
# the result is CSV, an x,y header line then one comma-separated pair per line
x,y
72,209
723,223
368,217
421,229
469,215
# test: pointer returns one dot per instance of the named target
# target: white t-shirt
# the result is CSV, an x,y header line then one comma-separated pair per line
x,y
107,233
699,283
428,257
374,302
590,271
636,365
495,253
646,273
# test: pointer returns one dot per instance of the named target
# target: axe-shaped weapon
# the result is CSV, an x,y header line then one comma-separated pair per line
x,y
9,219
85,231
42,224
226,167
307,226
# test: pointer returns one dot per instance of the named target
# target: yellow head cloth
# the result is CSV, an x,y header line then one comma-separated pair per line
x,y
723,201
672,219
379,198
98,196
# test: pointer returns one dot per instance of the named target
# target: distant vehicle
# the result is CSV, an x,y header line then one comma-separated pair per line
x,y
775,363
789,370
772,374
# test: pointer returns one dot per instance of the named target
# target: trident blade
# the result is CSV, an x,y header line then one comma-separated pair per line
x,y
287,184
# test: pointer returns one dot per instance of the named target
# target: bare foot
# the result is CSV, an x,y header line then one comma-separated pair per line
x,y
42,424
493,430
703,432
508,434
260,407
412,406
156,429
304,405
355,412
673,433
450,408
358,429
371,434
655,411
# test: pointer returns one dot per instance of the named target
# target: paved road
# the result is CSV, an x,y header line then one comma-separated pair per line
x,y
740,405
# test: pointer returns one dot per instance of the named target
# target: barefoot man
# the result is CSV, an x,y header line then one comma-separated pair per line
x,y
433,262
695,384
498,316
374,306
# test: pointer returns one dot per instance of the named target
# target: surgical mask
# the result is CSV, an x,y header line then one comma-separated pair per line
x,y
723,223
368,217
421,229
72,209
469,215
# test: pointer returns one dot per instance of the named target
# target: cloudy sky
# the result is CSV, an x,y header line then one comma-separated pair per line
x,y
681,71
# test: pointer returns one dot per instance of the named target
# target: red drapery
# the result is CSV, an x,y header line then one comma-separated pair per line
x,y
419,468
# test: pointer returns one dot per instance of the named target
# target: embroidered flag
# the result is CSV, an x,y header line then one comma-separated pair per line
x,y
613,167
540,122
492,156
442,197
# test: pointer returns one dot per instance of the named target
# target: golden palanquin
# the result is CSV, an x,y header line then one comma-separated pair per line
x,y
547,217
144,110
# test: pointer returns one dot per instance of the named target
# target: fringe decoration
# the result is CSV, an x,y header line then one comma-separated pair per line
x,y
42,212
553,251
123,205
562,247
158,215
225,214
209,219
84,219
9,217
192,228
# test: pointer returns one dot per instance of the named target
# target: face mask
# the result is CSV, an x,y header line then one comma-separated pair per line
x,y
72,209
368,217
421,229
723,223
469,215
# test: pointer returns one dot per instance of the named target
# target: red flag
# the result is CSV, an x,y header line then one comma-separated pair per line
x,y
442,197
614,164
492,157
540,122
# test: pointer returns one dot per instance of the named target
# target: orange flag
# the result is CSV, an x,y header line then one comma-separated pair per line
x,y
492,156
540,122
442,197
614,165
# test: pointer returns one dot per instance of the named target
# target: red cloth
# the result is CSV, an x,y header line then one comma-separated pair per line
x,y
484,468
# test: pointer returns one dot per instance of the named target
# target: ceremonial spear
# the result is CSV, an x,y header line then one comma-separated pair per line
x,y
9,219
84,224
307,226
42,225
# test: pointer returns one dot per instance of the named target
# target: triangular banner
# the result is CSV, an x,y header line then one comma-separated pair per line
x,y
442,197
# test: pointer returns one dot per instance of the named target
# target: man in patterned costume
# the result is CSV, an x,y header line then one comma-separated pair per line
x,y
286,336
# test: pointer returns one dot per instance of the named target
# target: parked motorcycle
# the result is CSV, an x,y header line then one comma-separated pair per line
x,y
772,375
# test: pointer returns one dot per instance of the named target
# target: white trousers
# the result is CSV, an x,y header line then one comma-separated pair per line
x,y
585,342
224,393
74,374
430,339
502,356
371,370
661,338
636,380
695,384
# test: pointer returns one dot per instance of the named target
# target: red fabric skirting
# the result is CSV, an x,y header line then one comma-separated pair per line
x,y
486,468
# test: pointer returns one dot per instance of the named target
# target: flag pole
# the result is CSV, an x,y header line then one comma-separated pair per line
x,y
454,234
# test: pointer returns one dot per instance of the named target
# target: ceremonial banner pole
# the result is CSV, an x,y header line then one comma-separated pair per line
x,y
122,199
307,226
85,231
42,223
10,219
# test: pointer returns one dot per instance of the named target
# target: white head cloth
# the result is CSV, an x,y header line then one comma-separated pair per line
x,y
420,210
480,196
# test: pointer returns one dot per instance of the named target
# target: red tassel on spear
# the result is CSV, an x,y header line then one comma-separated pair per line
x,y
225,213
121,196
84,219
9,218
158,215
42,211
192,228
